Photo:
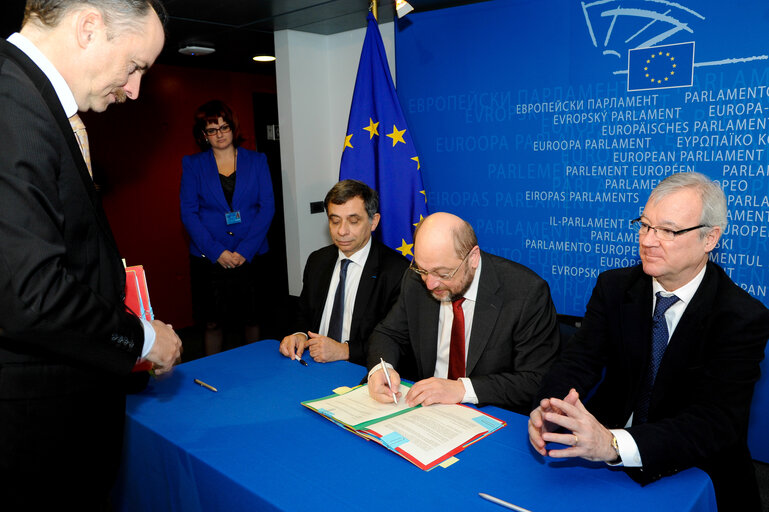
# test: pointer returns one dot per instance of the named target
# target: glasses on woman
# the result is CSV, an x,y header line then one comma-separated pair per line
x,y
225,128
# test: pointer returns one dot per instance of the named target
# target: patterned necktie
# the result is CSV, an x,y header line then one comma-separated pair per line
x,y
659,344
337,312
82,140
457,349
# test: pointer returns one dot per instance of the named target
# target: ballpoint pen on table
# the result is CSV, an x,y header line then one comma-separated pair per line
x,y
299,358
207,386
502,503
389,382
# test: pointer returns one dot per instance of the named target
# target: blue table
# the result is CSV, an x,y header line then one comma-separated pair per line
x,y
252,446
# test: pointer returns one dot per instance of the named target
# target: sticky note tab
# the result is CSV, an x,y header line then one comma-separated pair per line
x,y
448,462
342,390
324,412
394,440
488,423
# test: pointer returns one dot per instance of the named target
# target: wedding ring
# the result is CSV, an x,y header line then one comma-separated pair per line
x,y
576,439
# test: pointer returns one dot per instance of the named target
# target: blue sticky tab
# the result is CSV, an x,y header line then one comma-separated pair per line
x,y
488,423
393,440
324,412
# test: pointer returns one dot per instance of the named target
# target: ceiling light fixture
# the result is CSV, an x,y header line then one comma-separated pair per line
x,y
264,58
402,8
196,50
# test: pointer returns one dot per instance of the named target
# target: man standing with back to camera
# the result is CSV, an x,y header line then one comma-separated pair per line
x,y
680,345
67,343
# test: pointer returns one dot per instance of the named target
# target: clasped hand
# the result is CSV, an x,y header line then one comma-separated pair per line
x,y
228,259
587,439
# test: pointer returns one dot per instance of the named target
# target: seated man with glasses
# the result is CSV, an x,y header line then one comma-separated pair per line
x,y
674,347
482,328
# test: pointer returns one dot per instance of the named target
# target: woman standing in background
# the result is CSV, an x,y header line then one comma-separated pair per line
x,y
227,206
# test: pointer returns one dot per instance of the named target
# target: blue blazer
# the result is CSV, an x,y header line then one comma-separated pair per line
x,y
203,205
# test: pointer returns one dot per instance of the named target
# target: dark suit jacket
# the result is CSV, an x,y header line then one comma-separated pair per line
x,y
700,402
513,339
377,292
66,340
203,205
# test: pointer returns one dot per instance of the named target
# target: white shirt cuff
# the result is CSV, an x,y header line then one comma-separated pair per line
x,y
628,449
470,396
149,337
379,367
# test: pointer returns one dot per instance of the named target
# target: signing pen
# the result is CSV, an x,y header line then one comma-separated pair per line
x,y
299,358
207,386
389,383
502,503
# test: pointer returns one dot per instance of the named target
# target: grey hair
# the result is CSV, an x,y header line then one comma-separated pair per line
x,y
119,15
712,197
464,239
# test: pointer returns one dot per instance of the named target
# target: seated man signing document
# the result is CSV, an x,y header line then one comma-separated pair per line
x,y
482,328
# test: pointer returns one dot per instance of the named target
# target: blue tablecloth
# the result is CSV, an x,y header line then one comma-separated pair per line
x,y
252,446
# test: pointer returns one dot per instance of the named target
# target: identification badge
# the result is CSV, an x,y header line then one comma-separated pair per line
x,y
232,218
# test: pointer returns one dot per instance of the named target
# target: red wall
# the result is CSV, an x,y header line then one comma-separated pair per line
x,y
136,149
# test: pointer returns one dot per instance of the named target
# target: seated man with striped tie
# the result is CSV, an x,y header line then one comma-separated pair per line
x,y
482,328
349,286
678,346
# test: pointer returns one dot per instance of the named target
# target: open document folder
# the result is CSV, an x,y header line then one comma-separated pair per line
x,y
425,436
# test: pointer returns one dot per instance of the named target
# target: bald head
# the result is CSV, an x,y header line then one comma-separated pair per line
x,y
446,252
447,232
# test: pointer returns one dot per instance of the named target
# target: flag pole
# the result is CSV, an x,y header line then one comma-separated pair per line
x,y
373,9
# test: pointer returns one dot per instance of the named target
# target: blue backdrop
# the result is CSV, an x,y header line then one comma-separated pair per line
x,y
547,123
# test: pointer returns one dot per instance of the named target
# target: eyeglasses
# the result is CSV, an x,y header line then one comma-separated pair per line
x,y
659,232
225,128
442,277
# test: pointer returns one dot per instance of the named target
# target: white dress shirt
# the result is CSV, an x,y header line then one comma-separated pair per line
x,y
68,103
445,319
628,450
351,282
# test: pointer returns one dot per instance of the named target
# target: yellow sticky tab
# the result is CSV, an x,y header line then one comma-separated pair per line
x,y
341,390
448,462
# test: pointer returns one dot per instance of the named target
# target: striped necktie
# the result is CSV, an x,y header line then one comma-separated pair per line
x,y
82,140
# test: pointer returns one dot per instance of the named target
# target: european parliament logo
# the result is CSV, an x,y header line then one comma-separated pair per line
x,y
660,67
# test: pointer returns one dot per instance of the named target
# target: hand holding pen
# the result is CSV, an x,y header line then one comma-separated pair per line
x,y
293,346
389,382
383,386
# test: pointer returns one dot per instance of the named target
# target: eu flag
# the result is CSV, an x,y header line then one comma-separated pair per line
x,y
378,148
660,67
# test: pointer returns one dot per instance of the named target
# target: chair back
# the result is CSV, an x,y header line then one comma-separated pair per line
x,y
759,415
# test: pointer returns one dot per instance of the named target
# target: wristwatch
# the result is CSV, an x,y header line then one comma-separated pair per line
x,y
615,445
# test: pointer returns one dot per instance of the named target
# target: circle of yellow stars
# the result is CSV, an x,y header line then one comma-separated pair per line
x,y
396,136
666,56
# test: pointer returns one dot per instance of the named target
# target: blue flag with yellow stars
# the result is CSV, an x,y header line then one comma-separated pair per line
x,y
378,148
660,67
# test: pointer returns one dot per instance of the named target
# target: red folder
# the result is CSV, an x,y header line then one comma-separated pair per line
x,y
137,301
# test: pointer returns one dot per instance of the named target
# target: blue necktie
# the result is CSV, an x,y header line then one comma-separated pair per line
x,y
659,344
337,312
